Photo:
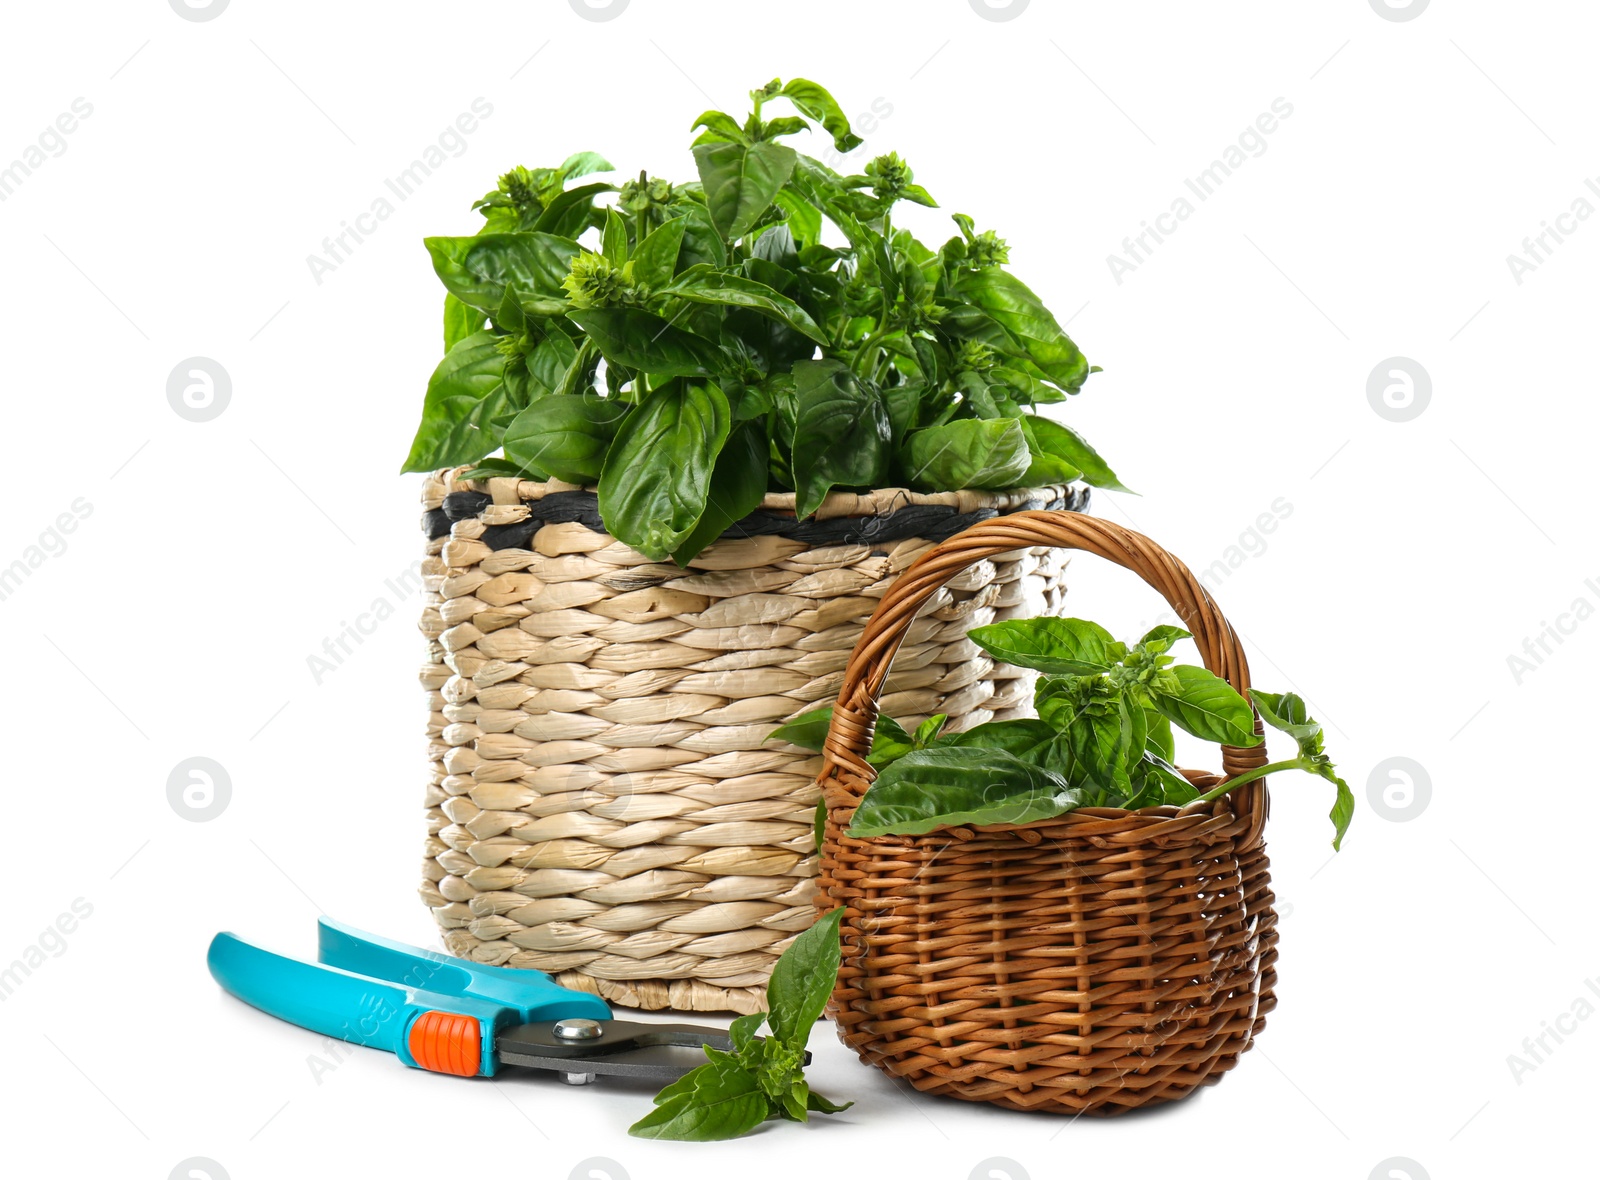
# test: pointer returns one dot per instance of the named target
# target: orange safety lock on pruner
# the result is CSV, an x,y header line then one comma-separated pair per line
x,y
446,1042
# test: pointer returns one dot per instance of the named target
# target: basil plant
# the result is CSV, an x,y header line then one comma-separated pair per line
x,y
687,347
1103,737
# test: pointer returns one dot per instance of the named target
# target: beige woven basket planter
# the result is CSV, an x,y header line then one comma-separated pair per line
x,y
604,805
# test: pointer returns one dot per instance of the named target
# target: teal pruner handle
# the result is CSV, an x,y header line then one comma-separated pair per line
x,y
430,1010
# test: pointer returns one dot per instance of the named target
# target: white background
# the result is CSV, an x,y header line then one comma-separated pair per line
x,y
217,556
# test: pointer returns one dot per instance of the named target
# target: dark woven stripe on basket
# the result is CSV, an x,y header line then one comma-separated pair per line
x,y
932,521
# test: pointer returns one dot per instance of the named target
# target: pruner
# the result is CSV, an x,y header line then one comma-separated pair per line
x,y
451,1015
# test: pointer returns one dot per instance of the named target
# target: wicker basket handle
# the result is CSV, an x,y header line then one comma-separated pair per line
x,y
855,714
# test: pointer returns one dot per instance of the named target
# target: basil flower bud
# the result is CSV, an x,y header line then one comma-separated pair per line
x,y
594,281
889,175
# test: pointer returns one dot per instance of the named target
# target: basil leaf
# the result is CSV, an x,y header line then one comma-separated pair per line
x,y
738,484
647,343
1344,804
804,218
785,125
464,395
1074,647
1286,711
1045,468
1204,705
548,363
794,1104
1167,779
1066,444
821,1105
966,322
904,403
743,1030
946,786
928,730
578,376
802,981
1161,638
1007,300
509,317
658,471
814,102
704,284
1022,736
566,436
478,270
571,212
1159,740
841,433
718,1100
583,164
969,453
701,241
655,260
1025,387
819,823
889,742
810,730
460,321
614,238
1105,744
495,468
720,128
740,182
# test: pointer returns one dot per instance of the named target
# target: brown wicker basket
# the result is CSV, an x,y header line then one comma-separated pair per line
x,y
1096,962
604,802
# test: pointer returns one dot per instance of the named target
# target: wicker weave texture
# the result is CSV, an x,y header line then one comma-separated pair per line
x,y
604,805
1093,963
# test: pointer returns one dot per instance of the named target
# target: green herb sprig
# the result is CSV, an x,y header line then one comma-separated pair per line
x,y
688,347
1103,737
762,1078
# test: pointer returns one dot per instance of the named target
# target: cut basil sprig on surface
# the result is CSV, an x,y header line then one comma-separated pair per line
x,y
762,1078
875,360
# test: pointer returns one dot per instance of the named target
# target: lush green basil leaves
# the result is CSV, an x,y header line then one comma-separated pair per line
x,y
1103,737
878,362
